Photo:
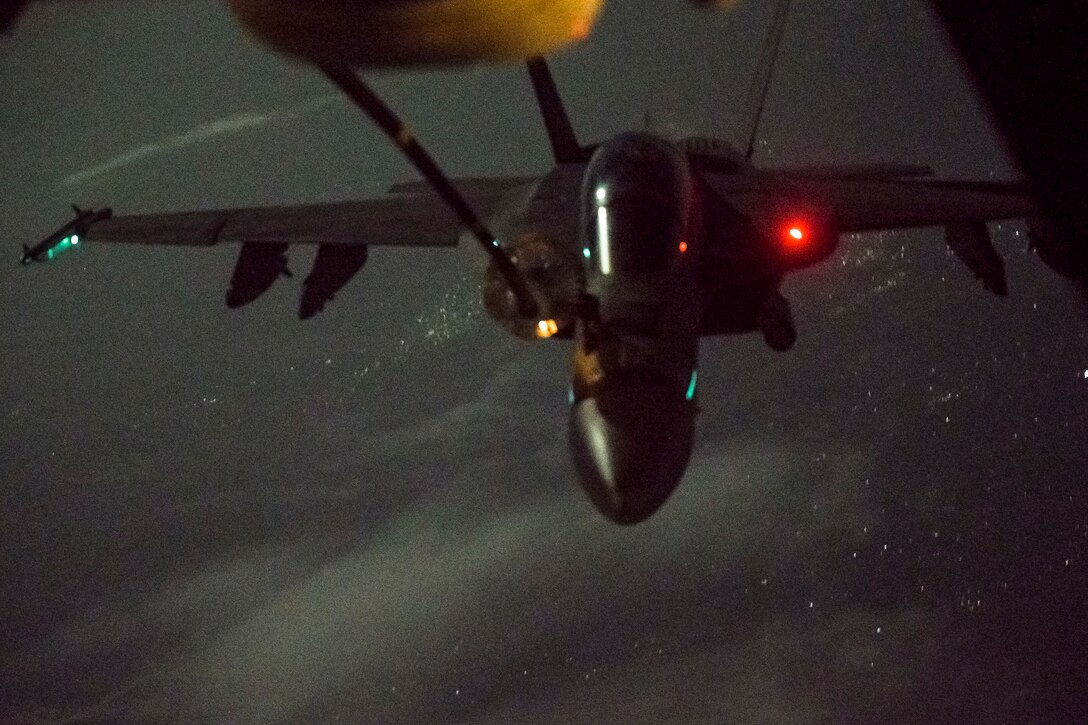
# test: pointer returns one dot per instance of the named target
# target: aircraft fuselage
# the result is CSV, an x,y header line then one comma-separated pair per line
x,y
664,261
632,416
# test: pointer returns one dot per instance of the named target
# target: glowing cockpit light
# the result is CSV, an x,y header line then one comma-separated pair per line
x,y
546,328
796,233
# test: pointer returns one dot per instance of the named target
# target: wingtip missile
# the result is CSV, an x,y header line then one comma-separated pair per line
x,y
67,237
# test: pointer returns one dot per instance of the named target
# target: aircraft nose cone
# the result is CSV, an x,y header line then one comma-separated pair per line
x,y
630,447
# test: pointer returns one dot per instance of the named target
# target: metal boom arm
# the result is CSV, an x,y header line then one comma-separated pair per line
x,y
401,135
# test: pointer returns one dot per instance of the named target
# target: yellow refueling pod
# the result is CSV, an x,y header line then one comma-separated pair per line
x,y
416,32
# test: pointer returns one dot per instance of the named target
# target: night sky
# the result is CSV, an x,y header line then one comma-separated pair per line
x,y
234,516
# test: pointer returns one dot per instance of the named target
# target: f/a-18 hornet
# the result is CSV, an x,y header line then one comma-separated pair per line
x,y
633,248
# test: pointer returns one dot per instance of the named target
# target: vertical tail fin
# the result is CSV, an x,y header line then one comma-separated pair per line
x,y
565,146
762,79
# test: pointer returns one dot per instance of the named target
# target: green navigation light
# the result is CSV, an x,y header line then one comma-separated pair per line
x,y
62,246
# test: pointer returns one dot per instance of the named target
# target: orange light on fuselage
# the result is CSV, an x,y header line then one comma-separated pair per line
x,y
683,247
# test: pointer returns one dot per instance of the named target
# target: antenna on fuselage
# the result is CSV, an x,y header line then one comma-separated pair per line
x,y
565,146
757,95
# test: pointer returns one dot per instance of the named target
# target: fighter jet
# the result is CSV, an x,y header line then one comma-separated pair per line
x,y
633,249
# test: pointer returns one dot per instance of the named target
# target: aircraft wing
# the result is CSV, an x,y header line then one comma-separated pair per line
x,y
860,204
866,205
410,215
782,202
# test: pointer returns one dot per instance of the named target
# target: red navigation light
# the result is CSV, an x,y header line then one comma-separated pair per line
x,y
683,247
795,236
799,234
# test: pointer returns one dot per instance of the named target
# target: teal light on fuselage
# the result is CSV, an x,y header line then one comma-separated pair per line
x,y
586,253
690,395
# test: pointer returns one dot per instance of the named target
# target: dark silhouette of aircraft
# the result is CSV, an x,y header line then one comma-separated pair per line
x,y
633,248
1030,64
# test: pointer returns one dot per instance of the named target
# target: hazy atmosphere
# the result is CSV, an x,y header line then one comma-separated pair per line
x,y
215,515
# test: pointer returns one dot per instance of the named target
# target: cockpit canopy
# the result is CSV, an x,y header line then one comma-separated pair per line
x,y
635,203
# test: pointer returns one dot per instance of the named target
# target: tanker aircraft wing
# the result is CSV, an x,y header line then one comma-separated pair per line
x,y
404,33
